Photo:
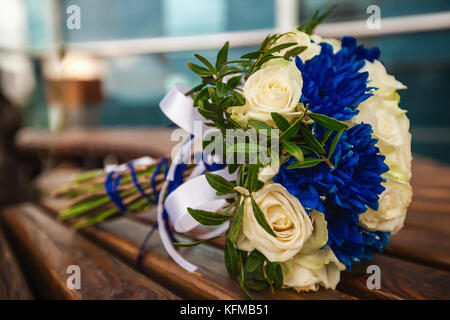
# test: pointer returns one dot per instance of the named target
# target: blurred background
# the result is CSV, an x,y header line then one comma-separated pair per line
x,y
91,72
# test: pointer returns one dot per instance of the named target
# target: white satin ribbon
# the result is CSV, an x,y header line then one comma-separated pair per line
x,y
143,161
180,110
196,192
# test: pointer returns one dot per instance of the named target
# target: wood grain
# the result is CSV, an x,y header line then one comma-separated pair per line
x,y
400,280
430,248
124,237
125,143
410,244
12,282
47,248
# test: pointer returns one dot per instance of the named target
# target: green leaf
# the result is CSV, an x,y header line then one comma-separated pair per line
x,y
231,258
254,260
311,141
309,26
240,176
292,131
326,136
236,222
274,273
206,63
266,41
252,55
335,142
307,163
219,183
241,278
222,56
208,218
260,218
257,285
234,81
294,52
232,167
244,147
327,122
222,89
259,125
280,121
191,244
253,184
280,47
201,71
293,150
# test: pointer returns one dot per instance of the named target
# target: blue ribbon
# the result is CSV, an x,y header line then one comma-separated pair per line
x,y
163,162
111,187
178,180
136,182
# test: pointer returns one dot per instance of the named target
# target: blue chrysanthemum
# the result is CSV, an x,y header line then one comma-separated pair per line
x,y
361,246
332,83
359,52
344,191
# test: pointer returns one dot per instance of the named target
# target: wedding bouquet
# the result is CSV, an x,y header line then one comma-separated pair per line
x,y
307,160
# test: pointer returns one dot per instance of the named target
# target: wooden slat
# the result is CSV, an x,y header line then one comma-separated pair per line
x,y
400,279
422,246
430,173
437,254
429,221
354,285
48,248
429,206
125,143
12,282
211,281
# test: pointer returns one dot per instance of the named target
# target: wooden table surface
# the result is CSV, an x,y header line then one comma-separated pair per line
x,y
37,248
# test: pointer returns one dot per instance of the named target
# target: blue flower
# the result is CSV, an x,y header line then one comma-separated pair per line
x,y
343,192
359,52
332,83
361,248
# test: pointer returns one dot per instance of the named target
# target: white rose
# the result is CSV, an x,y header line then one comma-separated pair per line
x,y
378,78
308,272
276,87
301,39
394,202
313,265
286,217
391,127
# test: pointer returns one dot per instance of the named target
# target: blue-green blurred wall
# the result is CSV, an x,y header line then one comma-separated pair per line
x,y
134,85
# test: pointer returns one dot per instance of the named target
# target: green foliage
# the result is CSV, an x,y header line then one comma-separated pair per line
x,y
231,258
220,184
316,19
260,217
208,218
236,223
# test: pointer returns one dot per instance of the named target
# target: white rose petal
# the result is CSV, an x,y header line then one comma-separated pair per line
x,y
391,127
287,218
378,78
393,204
308,272
276,87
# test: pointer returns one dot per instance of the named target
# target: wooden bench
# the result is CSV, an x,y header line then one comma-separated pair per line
x,y
37,249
